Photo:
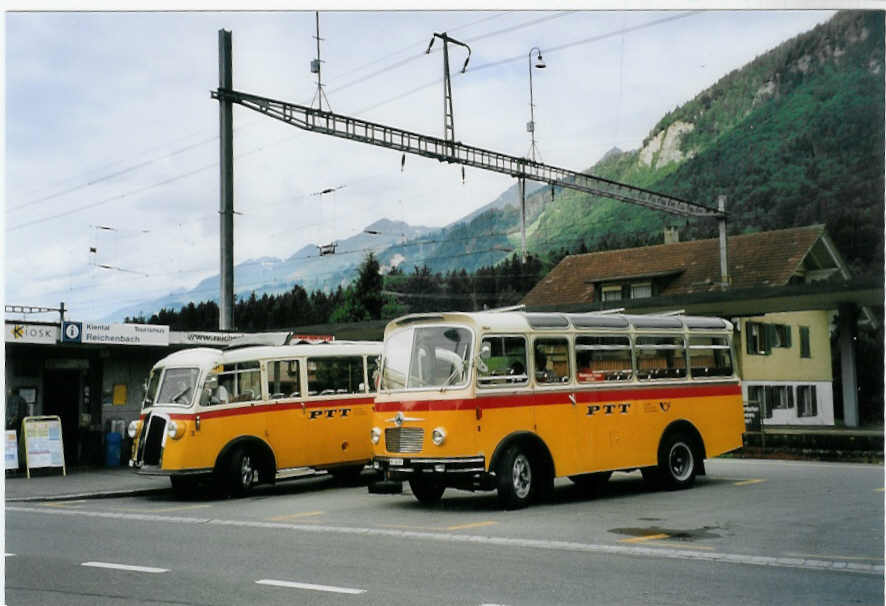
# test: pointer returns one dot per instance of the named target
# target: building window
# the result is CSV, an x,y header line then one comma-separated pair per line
x,y
612,293
805,351
779,397
763,338
781,334
756,338
756,396
641,291
807,401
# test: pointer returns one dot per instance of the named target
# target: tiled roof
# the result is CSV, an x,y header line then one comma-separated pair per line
x,y
761,259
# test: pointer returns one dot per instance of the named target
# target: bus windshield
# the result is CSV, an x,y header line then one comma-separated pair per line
x,y
178,386
427,357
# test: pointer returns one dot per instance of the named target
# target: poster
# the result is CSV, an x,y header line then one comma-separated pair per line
x,y
43,442
11,449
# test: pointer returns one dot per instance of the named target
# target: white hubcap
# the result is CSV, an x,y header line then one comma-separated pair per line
x,y
522,476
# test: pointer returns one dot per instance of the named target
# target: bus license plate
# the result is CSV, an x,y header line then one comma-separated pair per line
x,y
395,462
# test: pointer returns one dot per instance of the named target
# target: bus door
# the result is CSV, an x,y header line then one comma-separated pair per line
x,y
287,417
338,405
565,435
604,420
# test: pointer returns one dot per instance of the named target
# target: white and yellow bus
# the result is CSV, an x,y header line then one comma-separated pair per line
x,y
509,401
255,414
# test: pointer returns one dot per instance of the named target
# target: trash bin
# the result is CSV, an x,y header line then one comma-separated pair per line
x,y
113,441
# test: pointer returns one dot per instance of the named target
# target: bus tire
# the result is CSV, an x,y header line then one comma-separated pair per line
x,y
242,471
427,491
516,478
678,461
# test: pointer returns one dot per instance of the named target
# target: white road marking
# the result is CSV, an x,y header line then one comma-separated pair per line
x,y
127,567
9,555
311,586
571,546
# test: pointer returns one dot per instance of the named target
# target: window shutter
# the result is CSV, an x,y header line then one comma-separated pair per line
x,y
813,399
769,337
787,335
749,336
790,390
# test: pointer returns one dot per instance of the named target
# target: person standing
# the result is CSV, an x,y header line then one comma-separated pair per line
x,y
16,410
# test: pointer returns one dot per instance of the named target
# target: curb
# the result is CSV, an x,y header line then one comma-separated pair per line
x,y
106,494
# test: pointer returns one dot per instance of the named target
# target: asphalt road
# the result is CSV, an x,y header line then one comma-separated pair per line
x,y
751,532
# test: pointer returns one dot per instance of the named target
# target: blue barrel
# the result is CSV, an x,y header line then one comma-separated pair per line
x,y
113,441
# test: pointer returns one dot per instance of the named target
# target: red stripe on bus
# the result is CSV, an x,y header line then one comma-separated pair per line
x,y
261,408
562,397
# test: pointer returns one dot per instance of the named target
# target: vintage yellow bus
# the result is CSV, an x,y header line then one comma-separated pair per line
x,y
255,414
509,401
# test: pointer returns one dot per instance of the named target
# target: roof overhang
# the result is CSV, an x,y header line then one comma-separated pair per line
x,y
643,276
865,293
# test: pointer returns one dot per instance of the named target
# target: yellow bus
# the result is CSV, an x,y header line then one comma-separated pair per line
x,y
510,400
256,414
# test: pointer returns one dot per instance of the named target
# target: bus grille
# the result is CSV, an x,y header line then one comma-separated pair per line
x,y
150,442
404,439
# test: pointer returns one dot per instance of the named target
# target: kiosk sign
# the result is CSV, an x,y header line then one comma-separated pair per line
x,y
24,332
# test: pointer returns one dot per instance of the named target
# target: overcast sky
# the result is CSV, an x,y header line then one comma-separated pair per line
x,y
109,123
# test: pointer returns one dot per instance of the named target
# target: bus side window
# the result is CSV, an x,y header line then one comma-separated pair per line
x,y
372,363
330,376
551,357
603,358
710,357
284,379
506,364
661,357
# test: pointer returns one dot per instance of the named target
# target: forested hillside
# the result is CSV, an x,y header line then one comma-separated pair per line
x,y
796,137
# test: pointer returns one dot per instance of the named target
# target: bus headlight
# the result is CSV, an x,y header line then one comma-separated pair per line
x,y
438,435
175,430
133,428
375,435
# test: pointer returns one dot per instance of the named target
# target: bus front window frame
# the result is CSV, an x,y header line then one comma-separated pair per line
x,y
426,356
186,379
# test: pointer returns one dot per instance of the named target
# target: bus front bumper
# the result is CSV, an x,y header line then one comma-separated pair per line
x,y
458,472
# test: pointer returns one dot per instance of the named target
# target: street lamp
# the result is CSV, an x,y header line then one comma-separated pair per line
x,y
530,126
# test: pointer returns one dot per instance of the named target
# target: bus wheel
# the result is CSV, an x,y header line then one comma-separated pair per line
x,y
426,491
516,484
677,461
242,472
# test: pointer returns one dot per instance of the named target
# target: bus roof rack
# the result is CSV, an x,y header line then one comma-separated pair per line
x,y
518,307
264,338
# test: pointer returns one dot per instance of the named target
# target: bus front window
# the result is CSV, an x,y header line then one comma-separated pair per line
x,y
427,357
151,387
178,386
